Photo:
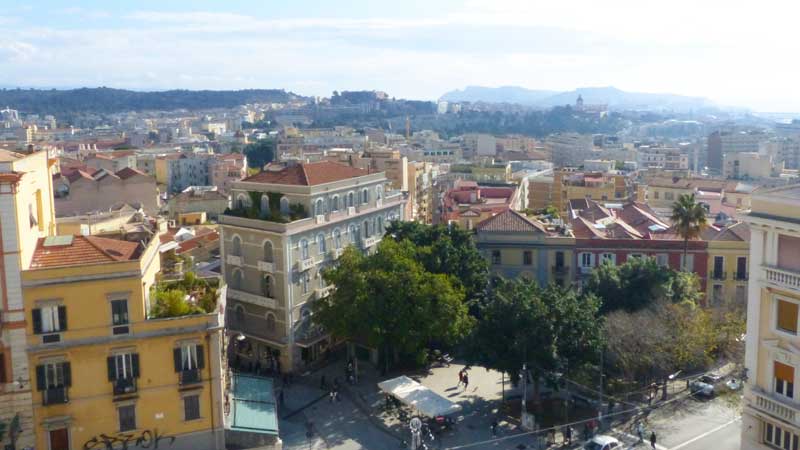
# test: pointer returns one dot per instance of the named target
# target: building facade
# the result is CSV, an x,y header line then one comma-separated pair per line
x,y
771,411
285,227
728,272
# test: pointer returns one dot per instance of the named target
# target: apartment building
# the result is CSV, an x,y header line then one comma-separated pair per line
x,y
570,184
181,170
226,169
286,225
519,246
749,165
721,143
662,158
112,161
26,214
421,176
771,411
79,192
570,149
728,246
469,203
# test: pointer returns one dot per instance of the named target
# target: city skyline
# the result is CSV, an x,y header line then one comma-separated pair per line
x,y
313,49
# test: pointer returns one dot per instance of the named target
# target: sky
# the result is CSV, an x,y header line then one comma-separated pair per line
x,y
734,52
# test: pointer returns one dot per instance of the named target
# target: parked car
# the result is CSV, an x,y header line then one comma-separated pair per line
x,y
602,442
705,385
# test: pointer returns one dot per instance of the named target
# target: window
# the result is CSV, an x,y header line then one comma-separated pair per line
x,y
379,192
655,195
350,201
716,294
270,322
49,319
304,279
610,258
719,265
379,228
365,196
587,259
304,249
687,264
284,205
237,246
319,208
188,357
780,438
191,407
321,244
268,251
241,203
662,259
741,268
52,379
267,286
335,203
669,196
119,312
127,417
496,257
787,316
3,375
527,258
264,205
236,279
365,228
741,295
337,238
559,259
784,379
351,230
124,366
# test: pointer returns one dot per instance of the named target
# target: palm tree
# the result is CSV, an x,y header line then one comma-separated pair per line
x,y
688,219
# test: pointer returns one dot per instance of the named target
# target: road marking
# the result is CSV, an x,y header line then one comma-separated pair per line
x,y
701,436
636,438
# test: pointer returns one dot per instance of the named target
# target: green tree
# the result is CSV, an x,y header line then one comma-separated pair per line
x,y
389,301
629,286
549,329
260,153
689,219
446,250
172,303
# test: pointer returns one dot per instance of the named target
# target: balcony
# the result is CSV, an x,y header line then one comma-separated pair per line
x,y
782,278
719,275
372,240
265,266
336,252
741,276
322,292
234,260
252,298
55,396
305,264
319,219
586,270
256,326
560,271
125,386
772,405
191,376
351,210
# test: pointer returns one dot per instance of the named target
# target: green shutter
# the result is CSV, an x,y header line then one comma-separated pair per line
x,y
111,361
36,315
40,381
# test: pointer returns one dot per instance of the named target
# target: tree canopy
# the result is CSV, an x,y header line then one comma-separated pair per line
x,y
446,250
388,300
688,218
260,152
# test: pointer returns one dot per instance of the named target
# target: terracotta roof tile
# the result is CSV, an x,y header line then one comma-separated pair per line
x,y
128,172
510,221
83,250
308,174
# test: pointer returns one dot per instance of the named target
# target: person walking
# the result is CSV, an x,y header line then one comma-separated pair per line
x,y
494,427
460,377
466,381
640,431
653,439
568,435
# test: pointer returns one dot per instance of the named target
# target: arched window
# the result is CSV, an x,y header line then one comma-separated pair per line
x,y
284,205
379,225
378,192
319,207
265,205
365,196
304,279
337,238
365,230
304,249
268,286
335,203
350,199
238,312
241,201
351,230
237,246
268,256
270,322
321,244
320,278
237,278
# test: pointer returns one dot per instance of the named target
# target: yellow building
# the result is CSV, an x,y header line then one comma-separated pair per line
x,y
771,410
569,184
519,246
103,368
728,272
26,214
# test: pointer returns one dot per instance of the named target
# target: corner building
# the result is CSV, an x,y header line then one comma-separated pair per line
x,y
285,226
771,412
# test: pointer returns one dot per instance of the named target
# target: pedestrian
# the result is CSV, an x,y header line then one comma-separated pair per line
x,y
568,435
653,439
494,427
323,383
466,382
460,377
331,395
640,431
585,431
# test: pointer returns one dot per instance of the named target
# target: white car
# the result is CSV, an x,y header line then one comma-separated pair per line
x,y
601,442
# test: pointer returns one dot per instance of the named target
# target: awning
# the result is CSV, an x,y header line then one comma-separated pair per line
x,y
424,400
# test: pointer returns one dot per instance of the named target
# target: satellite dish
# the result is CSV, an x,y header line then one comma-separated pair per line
x,y
415,424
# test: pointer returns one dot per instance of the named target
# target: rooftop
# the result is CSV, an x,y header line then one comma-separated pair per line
x,y
307,174
63,251
510,221
9,156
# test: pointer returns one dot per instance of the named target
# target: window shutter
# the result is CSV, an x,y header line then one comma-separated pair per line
x,y
67,375
176,356
62,318
111,361
784,372
201,363
40,383
135,364
37,320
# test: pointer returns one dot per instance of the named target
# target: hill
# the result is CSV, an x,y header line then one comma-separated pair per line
x,y
616,99
107,100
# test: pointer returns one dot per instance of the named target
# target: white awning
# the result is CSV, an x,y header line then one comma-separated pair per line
x,y
424,400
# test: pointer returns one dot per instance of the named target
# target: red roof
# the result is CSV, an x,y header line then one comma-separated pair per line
x,y
308,174
197,241
82,250
128,172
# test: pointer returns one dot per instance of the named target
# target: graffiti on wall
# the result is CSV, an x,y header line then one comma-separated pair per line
x,y
122,441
